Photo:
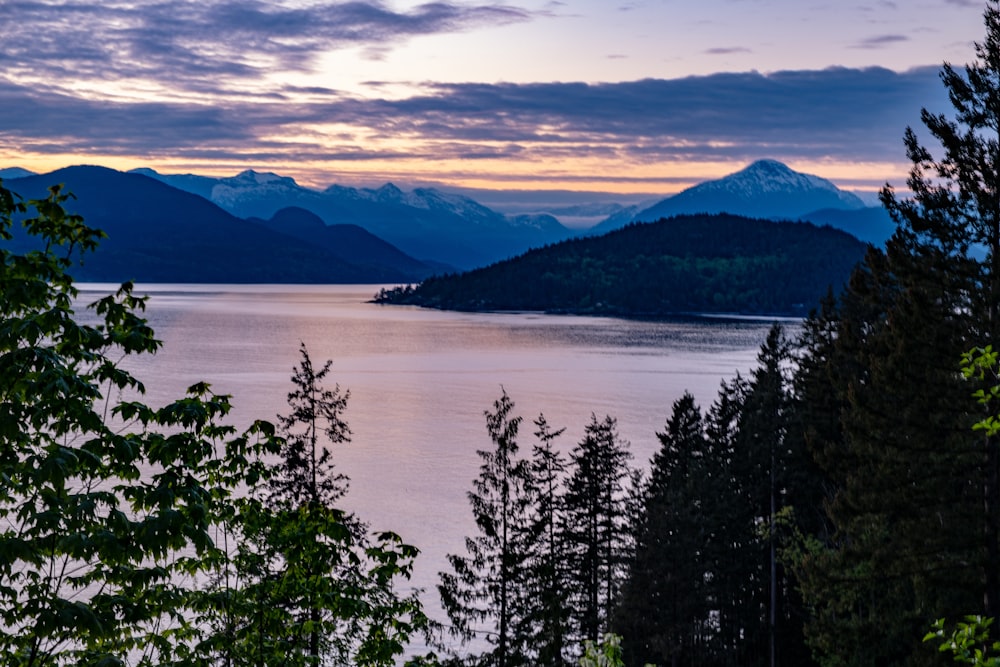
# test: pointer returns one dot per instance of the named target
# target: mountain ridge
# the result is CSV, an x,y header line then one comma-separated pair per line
x,y
424,222
766,188
159,233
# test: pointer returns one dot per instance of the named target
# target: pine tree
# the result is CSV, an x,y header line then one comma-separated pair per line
x,y
596,527
306,475
486,590
776,485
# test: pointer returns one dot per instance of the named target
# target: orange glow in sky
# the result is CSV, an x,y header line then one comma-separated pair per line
x,y
634,97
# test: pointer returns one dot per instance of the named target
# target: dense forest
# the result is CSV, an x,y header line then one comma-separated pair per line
x,y
688,264
830,508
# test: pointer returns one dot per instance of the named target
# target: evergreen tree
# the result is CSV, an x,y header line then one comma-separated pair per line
x,y
914,496
596,527
306,475
729,531
487,590
547,567
775,483
665,607
306,584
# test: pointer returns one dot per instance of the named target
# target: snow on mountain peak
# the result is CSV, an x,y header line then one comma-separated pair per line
x,y
770,176
262,178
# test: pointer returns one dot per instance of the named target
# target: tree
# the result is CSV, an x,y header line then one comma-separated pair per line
x,y
547,573
108,505
486,590
116,517
664,610
882,572
306,475
596,526
309,586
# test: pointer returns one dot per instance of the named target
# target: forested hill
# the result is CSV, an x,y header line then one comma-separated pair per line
x,y
686,264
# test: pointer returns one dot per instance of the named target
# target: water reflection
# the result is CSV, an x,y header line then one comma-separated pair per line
x,y
421,379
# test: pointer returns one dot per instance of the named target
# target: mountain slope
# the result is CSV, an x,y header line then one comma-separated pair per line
x,y
689,264
348,242
15,172
424,223
157,233
765,189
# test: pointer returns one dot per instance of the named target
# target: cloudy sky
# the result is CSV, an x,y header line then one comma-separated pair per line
x,y
631,96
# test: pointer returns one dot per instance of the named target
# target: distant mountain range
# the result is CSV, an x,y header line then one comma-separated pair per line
x,y
158,233
384,234
425,222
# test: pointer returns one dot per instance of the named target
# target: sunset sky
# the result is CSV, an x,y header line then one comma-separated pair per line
x,y
640,96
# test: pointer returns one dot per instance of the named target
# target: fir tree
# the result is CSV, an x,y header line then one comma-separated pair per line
x,y
664,613
486,590
306,475
306,585
596,527
914,497
547,569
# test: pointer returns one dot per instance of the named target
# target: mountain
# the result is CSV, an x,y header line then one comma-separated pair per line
x,y
424,222
688,264
350,243
871,224
158,233
765,189
15,172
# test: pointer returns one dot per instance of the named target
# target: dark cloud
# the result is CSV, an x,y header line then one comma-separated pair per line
x,y
190,40
880,41
842,114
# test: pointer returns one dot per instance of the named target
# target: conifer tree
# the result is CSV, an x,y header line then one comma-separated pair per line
x,y
775,484
486,591
596,527
914,498
306,475
306,585
664,611
729,531
547,571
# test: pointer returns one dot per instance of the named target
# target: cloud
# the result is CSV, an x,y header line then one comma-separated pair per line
x,y
880,41
840,114
726,50
186,40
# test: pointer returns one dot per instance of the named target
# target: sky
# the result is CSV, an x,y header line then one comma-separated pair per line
x,y
621,96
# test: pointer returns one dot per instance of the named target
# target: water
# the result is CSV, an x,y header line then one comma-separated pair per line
x,y
420,380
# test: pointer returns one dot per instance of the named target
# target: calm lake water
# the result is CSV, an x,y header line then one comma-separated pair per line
x,y
420,380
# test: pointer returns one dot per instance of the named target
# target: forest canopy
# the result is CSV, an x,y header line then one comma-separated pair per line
x,y
687,264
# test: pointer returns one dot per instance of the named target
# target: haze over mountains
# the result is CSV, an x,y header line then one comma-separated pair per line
x,y
186,227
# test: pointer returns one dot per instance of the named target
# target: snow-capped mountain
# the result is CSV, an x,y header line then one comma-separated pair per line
x,y
160,233
424,222
765,189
